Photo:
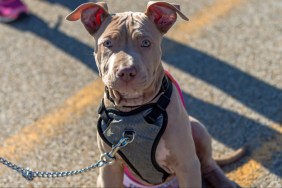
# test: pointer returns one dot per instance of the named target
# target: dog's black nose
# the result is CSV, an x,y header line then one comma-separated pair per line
x,y
127,73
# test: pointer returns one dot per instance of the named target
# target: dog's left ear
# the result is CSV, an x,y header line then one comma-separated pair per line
x,y
163,14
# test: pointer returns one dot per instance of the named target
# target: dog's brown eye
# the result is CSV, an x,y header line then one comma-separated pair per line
x,y
108,43
146,43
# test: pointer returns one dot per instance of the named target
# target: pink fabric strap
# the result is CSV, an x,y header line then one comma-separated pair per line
x,y
177,86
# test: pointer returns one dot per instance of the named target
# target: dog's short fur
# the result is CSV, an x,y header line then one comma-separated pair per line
x,y
128,56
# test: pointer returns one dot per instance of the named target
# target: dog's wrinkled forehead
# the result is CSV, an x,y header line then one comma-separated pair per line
x,y
134,23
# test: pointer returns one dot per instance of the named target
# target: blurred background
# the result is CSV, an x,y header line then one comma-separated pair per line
x,y
227,59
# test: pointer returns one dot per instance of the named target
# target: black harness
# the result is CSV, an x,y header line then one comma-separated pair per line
x,y
149,123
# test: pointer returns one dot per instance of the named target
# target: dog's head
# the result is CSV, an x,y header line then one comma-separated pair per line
x,y
127,46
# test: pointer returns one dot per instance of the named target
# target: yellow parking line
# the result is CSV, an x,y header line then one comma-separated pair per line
x,y
246,174
30,136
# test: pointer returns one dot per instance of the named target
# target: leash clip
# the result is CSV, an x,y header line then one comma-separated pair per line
x,y
127,137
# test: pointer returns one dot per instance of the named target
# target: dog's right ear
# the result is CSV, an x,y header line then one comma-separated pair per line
x,y
91,14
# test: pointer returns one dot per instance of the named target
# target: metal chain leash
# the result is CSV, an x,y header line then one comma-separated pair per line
x,y
105,159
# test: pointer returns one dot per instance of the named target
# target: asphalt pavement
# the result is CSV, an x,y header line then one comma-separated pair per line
x,y
227,59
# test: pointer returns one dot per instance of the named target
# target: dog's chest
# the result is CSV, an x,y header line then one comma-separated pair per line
x,y
140,155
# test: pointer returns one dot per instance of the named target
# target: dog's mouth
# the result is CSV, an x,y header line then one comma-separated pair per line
x,y
125,98
134,93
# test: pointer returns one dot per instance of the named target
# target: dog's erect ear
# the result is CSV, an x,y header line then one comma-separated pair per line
x,y
91,15
163,14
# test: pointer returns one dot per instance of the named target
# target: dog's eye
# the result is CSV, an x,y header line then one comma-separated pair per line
x,y
108,43
146,43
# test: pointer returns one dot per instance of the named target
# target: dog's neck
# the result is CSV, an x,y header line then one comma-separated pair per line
x,y
149,95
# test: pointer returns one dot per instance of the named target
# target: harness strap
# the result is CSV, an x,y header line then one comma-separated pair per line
x,y
161,104
103,113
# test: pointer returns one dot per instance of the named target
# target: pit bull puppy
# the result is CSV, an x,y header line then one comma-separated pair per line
x,y
128,56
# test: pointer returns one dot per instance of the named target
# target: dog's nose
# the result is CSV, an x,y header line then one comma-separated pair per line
x,y
127,73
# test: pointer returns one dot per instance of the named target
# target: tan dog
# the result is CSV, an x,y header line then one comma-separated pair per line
x,y
128,56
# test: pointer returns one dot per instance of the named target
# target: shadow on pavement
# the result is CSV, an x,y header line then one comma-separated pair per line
x,y
71,4
228,127
69,45
252,92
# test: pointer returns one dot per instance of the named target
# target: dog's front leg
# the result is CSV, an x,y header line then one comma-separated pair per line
x,y
183,159
110,175
178,139
188,172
